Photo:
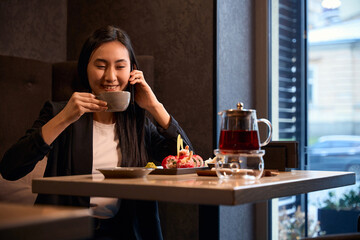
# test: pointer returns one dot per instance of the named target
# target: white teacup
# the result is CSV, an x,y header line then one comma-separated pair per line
x,y
116,101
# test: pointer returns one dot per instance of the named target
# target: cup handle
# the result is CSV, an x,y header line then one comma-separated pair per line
x,y
268,123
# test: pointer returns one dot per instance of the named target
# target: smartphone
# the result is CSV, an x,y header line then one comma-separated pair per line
x,y
132,90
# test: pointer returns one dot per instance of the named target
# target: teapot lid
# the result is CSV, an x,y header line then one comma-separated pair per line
x,y
239,111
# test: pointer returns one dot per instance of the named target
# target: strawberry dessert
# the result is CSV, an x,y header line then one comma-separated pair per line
x,y
184,158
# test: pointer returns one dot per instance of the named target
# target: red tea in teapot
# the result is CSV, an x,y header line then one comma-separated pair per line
x,y
239,140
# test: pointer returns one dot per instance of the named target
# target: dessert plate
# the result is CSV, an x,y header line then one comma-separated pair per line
x,y
125,172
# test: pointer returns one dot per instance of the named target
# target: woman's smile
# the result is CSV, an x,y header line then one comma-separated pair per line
x,y
110,88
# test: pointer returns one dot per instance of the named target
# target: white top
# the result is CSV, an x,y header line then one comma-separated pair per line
x,y
106,153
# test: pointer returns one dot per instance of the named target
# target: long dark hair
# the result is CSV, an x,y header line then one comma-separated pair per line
x,y
130,123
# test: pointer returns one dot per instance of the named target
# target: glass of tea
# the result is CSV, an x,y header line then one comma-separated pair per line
x,y
239,130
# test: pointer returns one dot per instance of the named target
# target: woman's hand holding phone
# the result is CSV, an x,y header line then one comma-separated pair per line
x,y
146,99
144,96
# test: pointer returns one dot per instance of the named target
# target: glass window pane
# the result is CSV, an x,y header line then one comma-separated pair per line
x,y
320,109
333,119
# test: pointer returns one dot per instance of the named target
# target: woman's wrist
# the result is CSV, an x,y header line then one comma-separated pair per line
x,y
52,129
161,116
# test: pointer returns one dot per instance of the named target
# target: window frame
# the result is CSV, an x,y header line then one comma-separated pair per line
x,y
267,41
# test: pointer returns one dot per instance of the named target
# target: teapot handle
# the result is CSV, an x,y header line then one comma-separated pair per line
x,y
268,123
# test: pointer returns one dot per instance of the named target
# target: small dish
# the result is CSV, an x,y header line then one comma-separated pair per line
x,y
211,165
125,172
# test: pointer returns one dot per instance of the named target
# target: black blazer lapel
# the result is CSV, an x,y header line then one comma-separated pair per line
x,y
82,145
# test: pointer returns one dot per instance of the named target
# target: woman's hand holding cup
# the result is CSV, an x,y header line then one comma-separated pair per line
x,y
80,103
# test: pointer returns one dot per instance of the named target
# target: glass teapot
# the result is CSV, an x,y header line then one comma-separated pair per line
x,y
239,130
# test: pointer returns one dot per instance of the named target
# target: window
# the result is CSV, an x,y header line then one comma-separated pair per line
x,y
315,101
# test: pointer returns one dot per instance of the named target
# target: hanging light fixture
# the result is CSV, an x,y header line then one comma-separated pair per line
x,y
330,4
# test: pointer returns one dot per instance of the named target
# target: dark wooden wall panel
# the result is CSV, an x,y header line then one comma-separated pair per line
x,y
33,29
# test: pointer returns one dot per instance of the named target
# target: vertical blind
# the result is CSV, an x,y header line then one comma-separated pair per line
x,y
292,85
290,35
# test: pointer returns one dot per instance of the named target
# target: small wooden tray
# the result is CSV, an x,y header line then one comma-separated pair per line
x,y
177,171
206,172
270,172
209,172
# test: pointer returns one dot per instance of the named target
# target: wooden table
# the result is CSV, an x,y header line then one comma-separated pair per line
x,y
190,188
44,222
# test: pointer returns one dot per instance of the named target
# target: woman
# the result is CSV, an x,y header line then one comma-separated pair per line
x,y
80,136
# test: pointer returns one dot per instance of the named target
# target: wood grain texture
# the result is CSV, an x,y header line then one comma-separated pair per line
x,y
190,188
44,222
